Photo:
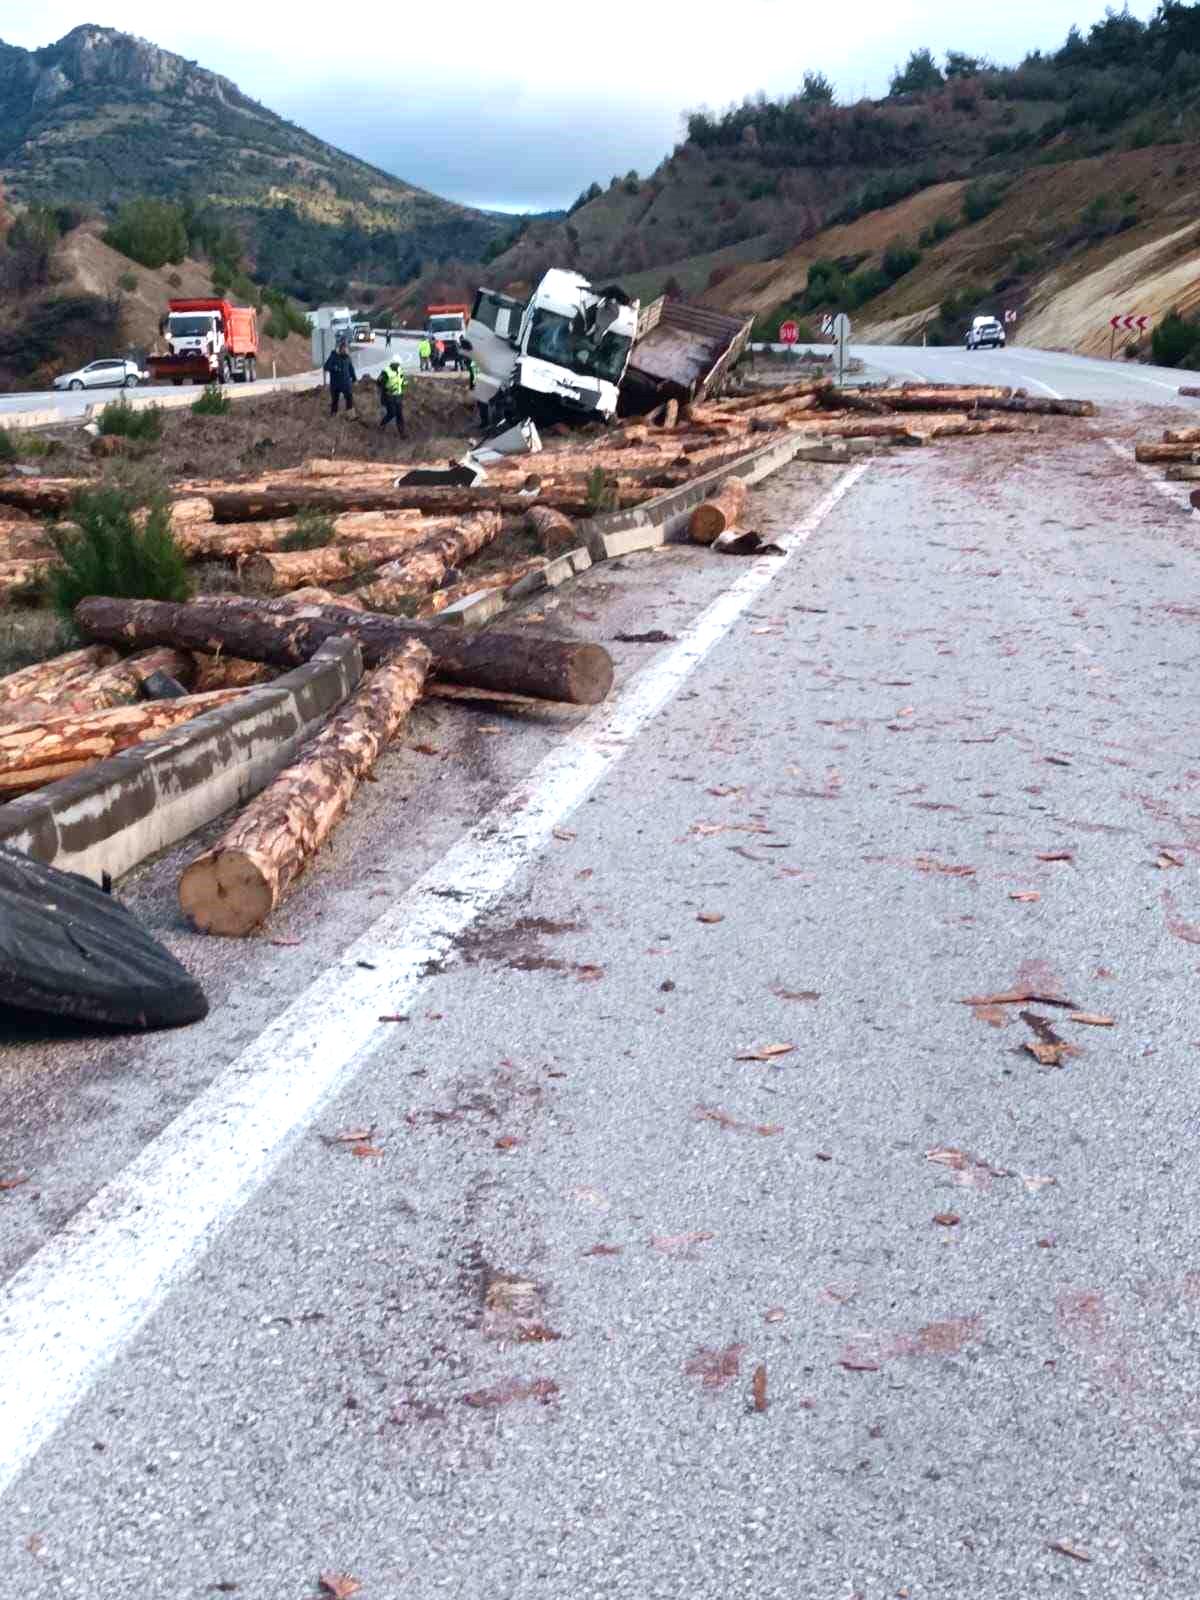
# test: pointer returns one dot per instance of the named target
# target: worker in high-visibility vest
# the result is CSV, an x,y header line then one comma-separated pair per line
x,y
472,372
425,351
391,392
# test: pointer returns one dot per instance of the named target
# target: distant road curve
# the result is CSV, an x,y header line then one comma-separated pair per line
x,y
1046,372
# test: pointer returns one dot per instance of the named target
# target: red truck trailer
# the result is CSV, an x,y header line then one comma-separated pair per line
x,y
208,341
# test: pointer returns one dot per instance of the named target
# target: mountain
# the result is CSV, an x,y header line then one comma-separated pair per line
x,y
967,182
102,117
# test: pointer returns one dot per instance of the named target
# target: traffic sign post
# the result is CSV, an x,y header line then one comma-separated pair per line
x,y
826,327
788,333
1126,324
841,338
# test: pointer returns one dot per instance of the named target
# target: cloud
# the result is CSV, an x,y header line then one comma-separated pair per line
x,y
518,109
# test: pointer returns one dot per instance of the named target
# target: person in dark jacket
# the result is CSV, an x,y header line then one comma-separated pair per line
x,y
341,373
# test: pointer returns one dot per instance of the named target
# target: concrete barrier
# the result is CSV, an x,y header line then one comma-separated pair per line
x,y
117,813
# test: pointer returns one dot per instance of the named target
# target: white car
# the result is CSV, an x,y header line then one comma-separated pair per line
x,y
102,375
987,333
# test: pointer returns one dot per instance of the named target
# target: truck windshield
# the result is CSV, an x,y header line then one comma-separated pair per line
x,y
440,325
551,338
191,327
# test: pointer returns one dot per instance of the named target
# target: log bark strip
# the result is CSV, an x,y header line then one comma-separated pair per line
x,y
33,754
233,888
427,565
47,678
286,636
720,511
499,579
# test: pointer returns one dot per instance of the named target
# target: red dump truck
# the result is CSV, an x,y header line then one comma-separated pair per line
x,y
208,341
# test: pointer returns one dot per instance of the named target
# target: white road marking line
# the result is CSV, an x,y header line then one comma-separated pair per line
x,y
67,1312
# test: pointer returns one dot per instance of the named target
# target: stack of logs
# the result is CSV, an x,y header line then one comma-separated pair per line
x,y
1179,452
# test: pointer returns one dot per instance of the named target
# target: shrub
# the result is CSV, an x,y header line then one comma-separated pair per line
x,y
1173,340
718,180
117,552
175,281
149,231
313,530
118,417
8,448
899,257
980,200
601,492
128,282
214,402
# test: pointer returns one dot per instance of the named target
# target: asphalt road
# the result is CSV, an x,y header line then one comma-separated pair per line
x,y
73,404
619,1296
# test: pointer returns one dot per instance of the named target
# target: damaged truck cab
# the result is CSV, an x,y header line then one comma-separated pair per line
x,y
560,355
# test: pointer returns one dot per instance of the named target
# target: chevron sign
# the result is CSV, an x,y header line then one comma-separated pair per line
x,y
1129,324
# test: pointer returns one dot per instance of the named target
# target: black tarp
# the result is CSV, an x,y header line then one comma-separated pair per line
x,y
67,949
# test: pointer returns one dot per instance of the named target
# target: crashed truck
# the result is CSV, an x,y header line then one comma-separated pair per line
x,y
572,353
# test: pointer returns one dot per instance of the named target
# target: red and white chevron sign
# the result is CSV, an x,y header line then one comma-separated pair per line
x,y
1129,324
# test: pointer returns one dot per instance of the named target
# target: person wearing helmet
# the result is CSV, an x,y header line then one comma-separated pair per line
x,y
391,392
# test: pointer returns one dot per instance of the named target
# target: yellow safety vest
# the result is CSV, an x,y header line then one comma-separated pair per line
x,y
425,348
394,381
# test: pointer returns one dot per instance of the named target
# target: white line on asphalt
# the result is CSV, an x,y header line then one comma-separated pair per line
x,y
70,1309
1178,495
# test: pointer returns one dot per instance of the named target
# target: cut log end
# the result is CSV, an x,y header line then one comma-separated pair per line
x,y
228,893
719,512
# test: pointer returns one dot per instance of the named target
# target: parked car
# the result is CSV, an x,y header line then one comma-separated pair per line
x,y
987,333
102,375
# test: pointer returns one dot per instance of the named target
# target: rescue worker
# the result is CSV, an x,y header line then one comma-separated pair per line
x,y
391,392
341,373
439,355
472,372
425,351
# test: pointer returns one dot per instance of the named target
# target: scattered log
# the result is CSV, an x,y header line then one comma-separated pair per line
x,y
227,672
555,533
233,888
41,496
1166,452
500,578
242,505
314,596
33,754
1182,436
427,565
944,396
1182,473
23,579
48,678
19,540
275,572
1040,407
720,511
287,635
973,426
1191,391
811,387
231,540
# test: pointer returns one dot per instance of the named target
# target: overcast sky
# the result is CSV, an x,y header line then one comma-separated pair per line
x,y
521,108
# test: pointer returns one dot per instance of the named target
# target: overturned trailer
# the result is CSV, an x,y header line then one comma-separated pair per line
x,y
681,353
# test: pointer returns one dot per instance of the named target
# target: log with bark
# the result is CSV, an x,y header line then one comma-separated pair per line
x,y
313,595
231,540
720,511
1038,407
241,505
972,426
286,636
40,496
498,578
809,388
45,679
1149,453
555,533
233,888
23,579
227,672
1182,435
19,540
425,567
33,754
1181,472
275,572
117,685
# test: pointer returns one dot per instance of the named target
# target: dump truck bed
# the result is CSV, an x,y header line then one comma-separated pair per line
x,y
682,353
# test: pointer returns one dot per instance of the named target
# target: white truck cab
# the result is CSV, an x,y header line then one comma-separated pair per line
x,y
986,333
562,353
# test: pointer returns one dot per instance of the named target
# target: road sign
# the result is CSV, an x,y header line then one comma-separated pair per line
x,y
826,326
1130,324
841,338
1010,316
788,333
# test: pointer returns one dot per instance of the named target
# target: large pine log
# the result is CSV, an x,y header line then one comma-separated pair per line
x,y
1182,435
1039,407
234,887
42,496
943,396
19,540
231,540
977,425
23,579
313,595
33,754
809,388
286,636
720,511
48,678
500,578
427,565
555,533
241,505
1181,472
117,685
275,572
1167,452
